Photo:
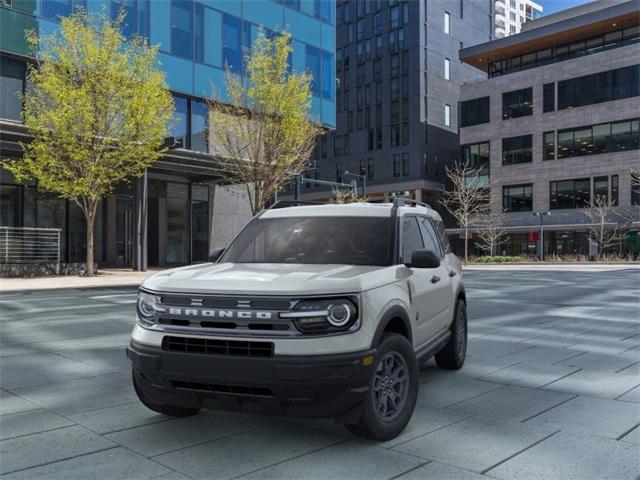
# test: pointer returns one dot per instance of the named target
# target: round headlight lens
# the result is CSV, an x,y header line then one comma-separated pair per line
x,y
147,304
339,314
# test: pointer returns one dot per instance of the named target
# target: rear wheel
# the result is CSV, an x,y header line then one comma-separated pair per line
x,y
453,354
393,390
165,409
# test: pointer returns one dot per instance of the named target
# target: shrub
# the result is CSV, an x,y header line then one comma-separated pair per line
x,y
498,259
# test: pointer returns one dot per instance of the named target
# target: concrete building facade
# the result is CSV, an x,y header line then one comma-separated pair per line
x,y
398,86
511,15
557,122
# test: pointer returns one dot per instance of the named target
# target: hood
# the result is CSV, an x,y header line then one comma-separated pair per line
x,y
270,279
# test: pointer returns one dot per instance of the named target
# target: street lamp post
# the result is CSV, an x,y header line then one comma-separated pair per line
x,y
364,181
541,215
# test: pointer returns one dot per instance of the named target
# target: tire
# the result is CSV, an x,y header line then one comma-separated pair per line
x,y
385,415
165,409
452,356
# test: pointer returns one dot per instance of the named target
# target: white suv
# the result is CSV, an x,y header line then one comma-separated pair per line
x,y
314,310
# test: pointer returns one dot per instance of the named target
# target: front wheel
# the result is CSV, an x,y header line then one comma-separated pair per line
x,y
393,390
170,410
452,356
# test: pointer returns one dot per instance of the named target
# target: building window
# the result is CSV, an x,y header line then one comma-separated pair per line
x,y
395,135
370,140
377,24
231,42
370,168
12,78
378,139
345,144
549,145
517,198
477,156
447,69
635,188
603,138
337,145
549,97
405,164
394,16
516,150
397,166
601,188
447,115
517,103
599,87
312,62
339,172
559,53
615,192
136,20
328,75
570,193
474,112
182,28
447,23
179,125
199,126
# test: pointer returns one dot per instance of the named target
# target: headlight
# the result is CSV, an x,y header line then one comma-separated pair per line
x,y
324,316
147,305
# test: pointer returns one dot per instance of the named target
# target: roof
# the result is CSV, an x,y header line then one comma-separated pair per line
x,y
563,27
347,210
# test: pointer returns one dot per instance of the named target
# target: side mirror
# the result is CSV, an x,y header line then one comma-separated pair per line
x,y
216,254
424,259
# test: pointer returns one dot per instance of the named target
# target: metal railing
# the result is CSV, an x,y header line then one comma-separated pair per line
x,y
30,245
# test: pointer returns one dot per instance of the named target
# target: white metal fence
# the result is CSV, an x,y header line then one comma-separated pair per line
x,y
29,245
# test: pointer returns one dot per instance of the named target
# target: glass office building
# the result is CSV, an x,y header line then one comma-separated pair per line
x,y
197,39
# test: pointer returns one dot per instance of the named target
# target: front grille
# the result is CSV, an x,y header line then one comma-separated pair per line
x,y
228,389
266,303
217,347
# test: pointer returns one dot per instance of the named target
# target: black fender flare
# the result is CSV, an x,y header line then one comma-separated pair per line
x,y
461,295
395,311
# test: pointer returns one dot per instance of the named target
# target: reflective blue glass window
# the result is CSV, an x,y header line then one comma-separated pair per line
x,y
143,18
130,9
322,9
181,28
231,42
198,126
54,9
198,33
328,75
312,60
179,124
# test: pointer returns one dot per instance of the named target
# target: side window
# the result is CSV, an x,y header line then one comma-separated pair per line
x,y
411,238
442,233
429,235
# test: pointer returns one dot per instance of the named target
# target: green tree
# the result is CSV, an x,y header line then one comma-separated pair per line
x,y
261,131
97,107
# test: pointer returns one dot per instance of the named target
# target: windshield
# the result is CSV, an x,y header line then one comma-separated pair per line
x,y
323,240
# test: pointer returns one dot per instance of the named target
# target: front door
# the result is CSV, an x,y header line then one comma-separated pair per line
x,y
427,286
124,231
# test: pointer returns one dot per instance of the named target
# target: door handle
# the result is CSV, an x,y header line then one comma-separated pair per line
x,y
435,279
452,273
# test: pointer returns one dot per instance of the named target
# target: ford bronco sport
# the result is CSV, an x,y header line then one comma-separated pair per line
x,y
315,310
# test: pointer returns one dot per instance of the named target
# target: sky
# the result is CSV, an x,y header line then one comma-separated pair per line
x,y
552,6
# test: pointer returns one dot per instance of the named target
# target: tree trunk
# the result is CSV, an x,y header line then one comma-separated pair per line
x,y
466,244
90,216
90,271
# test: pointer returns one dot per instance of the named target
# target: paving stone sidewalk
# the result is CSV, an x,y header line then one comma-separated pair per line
x,y
551,390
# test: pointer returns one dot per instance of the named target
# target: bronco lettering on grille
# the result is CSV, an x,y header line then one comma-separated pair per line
x,y
212,313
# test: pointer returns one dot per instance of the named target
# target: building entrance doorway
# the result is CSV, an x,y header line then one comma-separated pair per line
x,y
124,231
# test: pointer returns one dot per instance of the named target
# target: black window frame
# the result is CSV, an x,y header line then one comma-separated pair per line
x,y
507,195
514,154
517,103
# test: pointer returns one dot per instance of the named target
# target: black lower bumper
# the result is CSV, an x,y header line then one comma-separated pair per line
x,y
321,386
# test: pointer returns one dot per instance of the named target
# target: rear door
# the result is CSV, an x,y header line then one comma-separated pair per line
x,y
442,297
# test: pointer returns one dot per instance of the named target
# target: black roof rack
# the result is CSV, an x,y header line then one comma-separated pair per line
x,y
291,203
401,201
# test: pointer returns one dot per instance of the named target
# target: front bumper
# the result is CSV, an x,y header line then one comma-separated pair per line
x,y
321,386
